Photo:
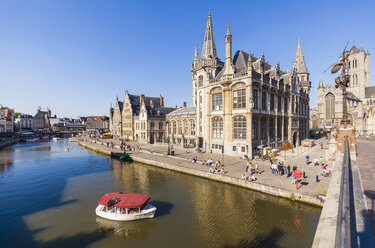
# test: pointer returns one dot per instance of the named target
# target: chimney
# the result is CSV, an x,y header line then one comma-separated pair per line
x,y
141,98
152,103
184,104
161,101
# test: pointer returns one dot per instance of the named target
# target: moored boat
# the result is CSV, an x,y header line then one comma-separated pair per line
x,y
126,157
125,207
73,139
33,139
56,138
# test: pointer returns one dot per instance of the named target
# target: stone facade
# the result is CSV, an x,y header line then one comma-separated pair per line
x,y
6,120
360,98
139,118
180,127
97,123
246,102
41,120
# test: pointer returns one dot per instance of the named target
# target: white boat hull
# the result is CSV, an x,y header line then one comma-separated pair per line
x,y
56,138
146,213
32,140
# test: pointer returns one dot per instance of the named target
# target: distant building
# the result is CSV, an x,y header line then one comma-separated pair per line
x,y
139,118
360,98
97,123
6,120
41,120
66,125
24,122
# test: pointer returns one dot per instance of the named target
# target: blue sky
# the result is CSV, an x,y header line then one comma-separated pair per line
x,y
76,56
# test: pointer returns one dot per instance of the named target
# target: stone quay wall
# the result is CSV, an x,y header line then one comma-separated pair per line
x,y
271,190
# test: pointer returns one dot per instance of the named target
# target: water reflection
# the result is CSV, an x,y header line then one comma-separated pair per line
x,y
59,196
126,229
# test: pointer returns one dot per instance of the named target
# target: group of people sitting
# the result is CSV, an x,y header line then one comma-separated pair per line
x,y
216,170
209,162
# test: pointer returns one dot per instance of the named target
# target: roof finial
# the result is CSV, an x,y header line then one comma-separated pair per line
x,y
228,30
196,55
209,13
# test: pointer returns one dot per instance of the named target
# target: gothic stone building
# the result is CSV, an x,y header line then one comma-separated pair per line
x,y
139,118
360,100
246,102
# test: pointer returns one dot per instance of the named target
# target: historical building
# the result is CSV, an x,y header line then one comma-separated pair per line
x,y
6,120
24,122
360,98
97,123
139,118
180,127
247,102
41,120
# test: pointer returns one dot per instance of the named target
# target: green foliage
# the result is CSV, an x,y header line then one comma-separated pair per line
x,y
292,197
16,114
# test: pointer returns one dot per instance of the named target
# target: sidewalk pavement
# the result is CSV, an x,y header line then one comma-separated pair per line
x,y
235,166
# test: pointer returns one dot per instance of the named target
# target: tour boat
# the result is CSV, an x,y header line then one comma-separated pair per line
x,y
125,207
73,139
32,139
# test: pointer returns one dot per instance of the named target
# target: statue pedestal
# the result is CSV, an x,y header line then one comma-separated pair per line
x,y
349,131
331,151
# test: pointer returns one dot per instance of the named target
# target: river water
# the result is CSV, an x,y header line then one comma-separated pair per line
x,y
48,198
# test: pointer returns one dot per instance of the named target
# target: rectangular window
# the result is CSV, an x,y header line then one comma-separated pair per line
x,y
239,99
192,128
278,103
254,129
264,101
272,102
255,99
286,105
217,102
242,149
234,148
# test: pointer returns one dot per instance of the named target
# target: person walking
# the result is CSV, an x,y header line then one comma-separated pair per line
x,y
293,178
321,160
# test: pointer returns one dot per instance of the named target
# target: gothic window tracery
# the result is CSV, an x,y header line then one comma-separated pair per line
x,y
330,106
239,127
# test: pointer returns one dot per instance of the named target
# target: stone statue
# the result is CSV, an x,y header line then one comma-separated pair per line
x,y
342,80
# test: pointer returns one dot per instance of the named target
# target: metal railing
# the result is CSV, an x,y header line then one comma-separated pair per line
x,y
346,234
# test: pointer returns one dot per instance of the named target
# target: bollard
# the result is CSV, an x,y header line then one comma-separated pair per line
x,y
304,176
317,179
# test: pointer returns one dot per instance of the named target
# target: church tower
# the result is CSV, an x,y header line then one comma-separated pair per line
x,y
203,70
299,67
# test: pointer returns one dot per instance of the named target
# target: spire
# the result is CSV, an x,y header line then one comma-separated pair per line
x,y
228,30
196,55
299,60
249,61
287,69
321,85
228,54
209,48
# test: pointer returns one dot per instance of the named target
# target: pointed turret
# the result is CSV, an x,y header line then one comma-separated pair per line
x,y
299,60
321,85
196,55
228,54
249,62
209,48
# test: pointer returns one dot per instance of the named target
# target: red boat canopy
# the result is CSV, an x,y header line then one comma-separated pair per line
x,y
128,200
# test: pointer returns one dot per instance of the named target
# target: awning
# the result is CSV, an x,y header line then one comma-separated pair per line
x,y
127,200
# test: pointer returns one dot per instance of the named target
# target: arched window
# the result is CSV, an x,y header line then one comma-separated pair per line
x,y
200,81
239,127
217,128
160,125
186,127
330,106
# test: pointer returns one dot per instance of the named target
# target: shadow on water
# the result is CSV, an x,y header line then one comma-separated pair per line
x,y
13,229
259,241
164,208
